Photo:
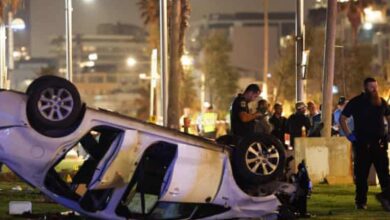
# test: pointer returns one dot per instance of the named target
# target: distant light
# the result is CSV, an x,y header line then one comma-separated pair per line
x,y
368,26
187,60
373,16
335,89
131,62
17,54
89,1
87,64
18,24
269,75
143,76
93,56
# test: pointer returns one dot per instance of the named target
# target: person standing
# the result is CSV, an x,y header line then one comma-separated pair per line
x,y
315,119
262,124
369,140
298,124
337,114
242,121
186,122
207,122
278,122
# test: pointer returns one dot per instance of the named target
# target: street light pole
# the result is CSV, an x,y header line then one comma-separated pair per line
x,y
69,37
299,48
328,74
3,66
153,80
266,50
10,42
164,59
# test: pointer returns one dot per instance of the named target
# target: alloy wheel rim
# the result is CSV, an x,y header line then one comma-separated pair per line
x,y
55,104
262,159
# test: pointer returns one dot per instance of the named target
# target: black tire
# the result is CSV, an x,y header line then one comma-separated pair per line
x,y
37,83
258,160
53,105
228,139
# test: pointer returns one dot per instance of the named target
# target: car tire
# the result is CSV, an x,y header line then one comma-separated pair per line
x,y
53,105
228,139
258,159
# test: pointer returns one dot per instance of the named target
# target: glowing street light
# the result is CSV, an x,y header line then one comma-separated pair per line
x,y
187,61
368,26
131,62
373,16
93,56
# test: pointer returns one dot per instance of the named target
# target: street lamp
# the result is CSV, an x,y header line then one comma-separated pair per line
x,y
373,16
368,26
131,61
153,77
187,61
92,56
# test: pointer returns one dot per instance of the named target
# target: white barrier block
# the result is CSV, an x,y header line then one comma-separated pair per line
x,y
20,207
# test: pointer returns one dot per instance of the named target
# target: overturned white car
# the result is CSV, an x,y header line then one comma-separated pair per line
x,y
132,169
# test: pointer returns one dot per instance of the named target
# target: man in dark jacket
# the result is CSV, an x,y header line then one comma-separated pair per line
x,y
298,124
278,122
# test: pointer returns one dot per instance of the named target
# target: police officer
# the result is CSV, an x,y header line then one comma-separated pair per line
x,y
242,121
369,140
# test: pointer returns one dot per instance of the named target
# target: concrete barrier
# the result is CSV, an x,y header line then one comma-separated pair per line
x,y
327,159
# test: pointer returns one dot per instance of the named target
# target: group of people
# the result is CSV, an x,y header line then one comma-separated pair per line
x,y
364,121
304,122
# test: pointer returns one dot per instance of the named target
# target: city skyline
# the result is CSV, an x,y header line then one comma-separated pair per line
x,y
48,16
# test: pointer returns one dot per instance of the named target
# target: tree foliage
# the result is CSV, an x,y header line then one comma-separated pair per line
x,y
352,65
221,77
178,17
14,5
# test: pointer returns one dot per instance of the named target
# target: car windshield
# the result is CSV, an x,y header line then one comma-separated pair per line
x,y
72,173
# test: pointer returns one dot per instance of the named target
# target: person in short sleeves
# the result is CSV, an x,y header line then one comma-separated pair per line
x,y
242,121
369,140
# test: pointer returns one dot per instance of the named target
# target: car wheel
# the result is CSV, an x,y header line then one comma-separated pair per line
x,y
53,104
258,159
230,140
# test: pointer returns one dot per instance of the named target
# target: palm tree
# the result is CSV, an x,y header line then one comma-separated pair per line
x,y
178,17
4,3
354,11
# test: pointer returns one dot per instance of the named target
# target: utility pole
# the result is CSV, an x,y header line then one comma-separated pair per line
x,y
299,48
266,50
328,74
10,39
69,38
3,65
164,59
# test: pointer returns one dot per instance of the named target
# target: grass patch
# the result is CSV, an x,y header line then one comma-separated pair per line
x,y
337,202
326,202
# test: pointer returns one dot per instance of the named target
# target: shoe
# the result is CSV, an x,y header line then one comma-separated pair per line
x,y
385,202
360,206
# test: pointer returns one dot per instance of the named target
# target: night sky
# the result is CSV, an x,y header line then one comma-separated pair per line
x,y
48,16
